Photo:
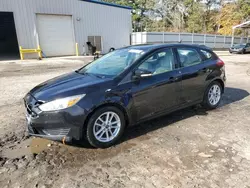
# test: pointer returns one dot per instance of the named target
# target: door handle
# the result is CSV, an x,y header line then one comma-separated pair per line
x,y
173,79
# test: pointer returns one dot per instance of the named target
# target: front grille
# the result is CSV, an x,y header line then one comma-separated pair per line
x,y
54,132
30,103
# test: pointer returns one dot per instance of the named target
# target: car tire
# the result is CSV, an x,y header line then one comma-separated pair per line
x,y
243,51
101,133
212,96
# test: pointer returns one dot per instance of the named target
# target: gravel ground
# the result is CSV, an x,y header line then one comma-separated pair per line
x,y
188,148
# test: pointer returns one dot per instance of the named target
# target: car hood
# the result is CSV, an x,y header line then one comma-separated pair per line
x,y
65,85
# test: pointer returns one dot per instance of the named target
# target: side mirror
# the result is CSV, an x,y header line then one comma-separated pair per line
x,y
141,73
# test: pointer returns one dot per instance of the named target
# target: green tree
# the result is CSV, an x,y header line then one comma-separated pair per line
x,y
231,14
141,10
194,23
244,6
198,16
172,14
209,16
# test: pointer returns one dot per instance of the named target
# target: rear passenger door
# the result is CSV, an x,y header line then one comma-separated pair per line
x,y
193,73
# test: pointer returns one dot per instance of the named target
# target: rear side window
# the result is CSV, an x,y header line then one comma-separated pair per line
x,y
207,55
188,57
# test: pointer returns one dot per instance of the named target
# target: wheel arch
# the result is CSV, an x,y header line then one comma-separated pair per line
x,y
119,106
216,79
221,83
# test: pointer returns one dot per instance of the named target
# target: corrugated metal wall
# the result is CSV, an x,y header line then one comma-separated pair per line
x,y
212,41
112,23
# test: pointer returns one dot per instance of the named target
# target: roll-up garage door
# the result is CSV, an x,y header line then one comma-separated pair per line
x,y
56,34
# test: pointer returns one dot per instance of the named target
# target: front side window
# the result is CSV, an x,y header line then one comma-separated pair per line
x,y
113,63
188,57
160,62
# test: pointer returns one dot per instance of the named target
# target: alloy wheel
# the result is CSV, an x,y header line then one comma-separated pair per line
x,y
107,126
214,95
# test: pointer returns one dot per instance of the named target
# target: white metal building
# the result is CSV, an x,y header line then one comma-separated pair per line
x,y
57,25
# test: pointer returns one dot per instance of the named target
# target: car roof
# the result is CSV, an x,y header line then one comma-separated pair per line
x,y
147,47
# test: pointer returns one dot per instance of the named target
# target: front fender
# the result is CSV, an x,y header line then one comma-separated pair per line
x,y
120,100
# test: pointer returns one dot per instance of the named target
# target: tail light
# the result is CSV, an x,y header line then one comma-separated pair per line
x,y
220,63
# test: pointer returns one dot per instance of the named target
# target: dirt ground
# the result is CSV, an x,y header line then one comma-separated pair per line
x,y
188,148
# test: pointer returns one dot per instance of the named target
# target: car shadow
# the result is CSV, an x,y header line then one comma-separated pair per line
x,y
231,95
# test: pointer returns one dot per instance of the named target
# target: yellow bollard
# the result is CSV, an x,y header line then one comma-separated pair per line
x,y
26,51
77,51
21,53
40,52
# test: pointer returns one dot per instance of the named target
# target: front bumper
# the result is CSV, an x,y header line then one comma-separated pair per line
x,y
236,50
59,125
54,137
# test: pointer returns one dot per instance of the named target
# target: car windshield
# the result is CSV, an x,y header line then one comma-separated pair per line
x,y
239,45
113,63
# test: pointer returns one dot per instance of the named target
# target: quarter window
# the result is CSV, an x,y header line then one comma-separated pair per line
x,y
206,54
160,62
188,57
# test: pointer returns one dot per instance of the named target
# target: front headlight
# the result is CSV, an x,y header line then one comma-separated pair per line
x,y
60,104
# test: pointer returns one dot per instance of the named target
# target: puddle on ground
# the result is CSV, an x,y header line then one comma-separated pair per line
x,y
66,152
39,144
27,147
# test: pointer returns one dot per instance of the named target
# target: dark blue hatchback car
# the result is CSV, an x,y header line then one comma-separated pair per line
x,y
125,87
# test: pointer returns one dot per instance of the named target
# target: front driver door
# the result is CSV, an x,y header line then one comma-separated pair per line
x,y
159,92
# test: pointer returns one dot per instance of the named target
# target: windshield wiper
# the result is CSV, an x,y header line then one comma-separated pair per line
x,y
86,73
83,73
98,76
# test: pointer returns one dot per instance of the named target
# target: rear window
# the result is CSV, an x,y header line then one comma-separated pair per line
x,y
207,55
